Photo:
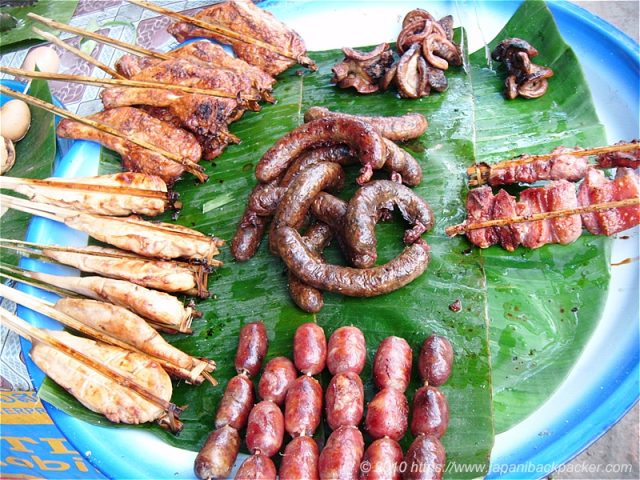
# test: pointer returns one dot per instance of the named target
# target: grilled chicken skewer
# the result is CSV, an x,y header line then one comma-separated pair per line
x,y
124,386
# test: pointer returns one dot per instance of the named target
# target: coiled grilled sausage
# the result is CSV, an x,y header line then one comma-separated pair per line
x,y
276,379
354,282
344,400
236,403
252,348
248,235
330,210
398,129
382,460
387,414
303,406
297,199
265,429
216,457
340,154
364,211
346,351
430,412
360,136
425,459
403,167
264,198
341,456
300,460
257,467
435,360
392,364
310,348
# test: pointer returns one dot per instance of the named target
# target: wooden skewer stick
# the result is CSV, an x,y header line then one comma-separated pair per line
x,y
499,222
96,36
32,333
190,166
225,32
79,53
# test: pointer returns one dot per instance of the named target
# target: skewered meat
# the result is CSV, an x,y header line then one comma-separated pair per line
x,y
620,159
97,392
135,122
243,17
363,70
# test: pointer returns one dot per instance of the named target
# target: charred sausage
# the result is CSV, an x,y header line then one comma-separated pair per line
x,y
398,129
278,375
248,235
265,197
257,467
341,456
310,348
330,210
387,414
340,154
252,348
403,167
360,136
265,429
346,351
392,364
430,412
382,461
364,211
236,403
354,282
300,460
435,360
303,406
215,459
425,459
344,400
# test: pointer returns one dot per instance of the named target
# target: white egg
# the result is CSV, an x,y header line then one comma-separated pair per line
x,y
15,120
45,58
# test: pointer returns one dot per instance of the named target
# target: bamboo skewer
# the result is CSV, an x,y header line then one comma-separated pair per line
x,y
190,166
32,333
225,32
79,53
100,38
499,222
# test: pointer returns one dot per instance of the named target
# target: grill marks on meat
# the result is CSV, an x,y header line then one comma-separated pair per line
x,y
620,159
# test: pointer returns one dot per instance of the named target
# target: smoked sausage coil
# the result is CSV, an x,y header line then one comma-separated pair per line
x,y
248,235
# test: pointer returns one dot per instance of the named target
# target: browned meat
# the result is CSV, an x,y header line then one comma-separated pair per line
x,y
243,17
131,65
479,209
620,159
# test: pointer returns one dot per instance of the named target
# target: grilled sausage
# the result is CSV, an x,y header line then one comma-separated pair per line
x,y
252,348
278,375
363,213
425,459
344,400
300,460
215,459
265,197
298,198
387,414
248,235
435,360
303,406
236,403
265,429
392,364
257,467
309,348
341,456
403,167
330,210
430,412
340,154
382,461
346,351
398,129
361,137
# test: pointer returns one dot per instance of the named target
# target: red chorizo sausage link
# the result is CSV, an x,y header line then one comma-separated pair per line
x,y
276,379
310,348
216,457
430,412
403,167
355,282
344,400
392,364
341,456
303,406
364,211
265,429
346,351
387,414
435,360
300,460
398,129
360,136
257,467
425,459
248,235
236,403
252,348
382,460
